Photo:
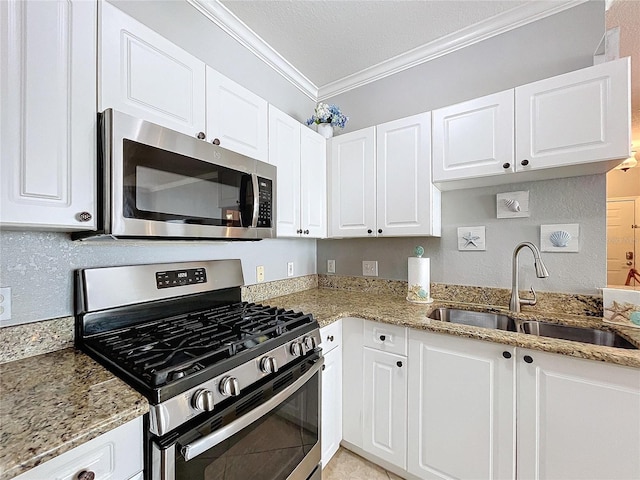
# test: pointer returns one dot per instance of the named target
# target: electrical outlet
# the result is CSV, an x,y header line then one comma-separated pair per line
x,y
5,303
331,266
260,273
290,269
370,268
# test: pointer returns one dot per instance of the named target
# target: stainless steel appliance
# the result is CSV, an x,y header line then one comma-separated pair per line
x,y
233,387
158,183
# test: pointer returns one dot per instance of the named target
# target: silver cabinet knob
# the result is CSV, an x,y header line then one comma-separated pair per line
x,y
229,387
203,400
83,216
86,475
268,365
296,349
201,136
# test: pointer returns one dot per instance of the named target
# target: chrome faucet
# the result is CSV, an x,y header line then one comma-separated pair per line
x,y
541,272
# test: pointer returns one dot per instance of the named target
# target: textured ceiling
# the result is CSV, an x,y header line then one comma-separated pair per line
x,y
329,40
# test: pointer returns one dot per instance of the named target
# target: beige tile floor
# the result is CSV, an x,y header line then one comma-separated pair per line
x,y
348,465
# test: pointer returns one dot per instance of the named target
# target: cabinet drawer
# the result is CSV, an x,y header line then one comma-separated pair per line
x,y
385,337
331,336
114,455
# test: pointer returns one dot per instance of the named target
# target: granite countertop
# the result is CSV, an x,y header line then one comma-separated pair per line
x,y
329,305
52,403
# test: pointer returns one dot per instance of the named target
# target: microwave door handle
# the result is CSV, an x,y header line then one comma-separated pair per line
x,y
203,444
256,200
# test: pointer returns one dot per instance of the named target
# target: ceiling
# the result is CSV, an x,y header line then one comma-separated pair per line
x,y
332,46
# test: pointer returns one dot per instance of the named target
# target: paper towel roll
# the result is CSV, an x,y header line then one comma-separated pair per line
x,y
419,280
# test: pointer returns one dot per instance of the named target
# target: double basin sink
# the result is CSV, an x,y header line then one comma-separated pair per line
x,y
499,321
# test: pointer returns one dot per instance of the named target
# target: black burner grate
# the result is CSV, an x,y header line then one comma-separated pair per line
x,y
165,350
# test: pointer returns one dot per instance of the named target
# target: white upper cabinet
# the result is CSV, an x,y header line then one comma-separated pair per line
x,y
352,190
300,157
407,201
284,153
474,138
380,181
313,183
576,118
577,419
145,75
48,115
574,124
236,117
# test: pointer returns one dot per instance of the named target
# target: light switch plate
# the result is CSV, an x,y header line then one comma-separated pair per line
x,y
331,266
370,268
5,303
260,273
290,269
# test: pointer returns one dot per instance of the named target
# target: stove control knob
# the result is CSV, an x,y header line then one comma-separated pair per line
x,y
229,387
296,349
203,400
309,342
268,365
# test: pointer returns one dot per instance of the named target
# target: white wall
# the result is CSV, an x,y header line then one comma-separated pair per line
x,y
39,266
549,47
580,200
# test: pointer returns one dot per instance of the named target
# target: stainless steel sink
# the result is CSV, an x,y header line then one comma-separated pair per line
x,y
475,319
577,334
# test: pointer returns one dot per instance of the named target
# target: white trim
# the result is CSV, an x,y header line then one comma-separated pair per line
x,y
227,21
501,23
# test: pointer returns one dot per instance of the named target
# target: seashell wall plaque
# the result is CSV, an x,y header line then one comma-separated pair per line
x,y
512,204
560,238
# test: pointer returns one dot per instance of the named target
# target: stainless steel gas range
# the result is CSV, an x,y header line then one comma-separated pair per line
x,y
233,387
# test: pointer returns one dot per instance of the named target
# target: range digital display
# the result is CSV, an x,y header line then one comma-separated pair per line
x,y
178,278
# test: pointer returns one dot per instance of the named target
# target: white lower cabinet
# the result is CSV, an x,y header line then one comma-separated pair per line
x,y
385,406
331,428
115,455
577,419
461,401
471,409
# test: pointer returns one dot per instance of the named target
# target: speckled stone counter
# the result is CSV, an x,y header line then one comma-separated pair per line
x,y
329,305
52,403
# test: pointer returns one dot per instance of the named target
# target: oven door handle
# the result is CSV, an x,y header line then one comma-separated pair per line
x,y
203,444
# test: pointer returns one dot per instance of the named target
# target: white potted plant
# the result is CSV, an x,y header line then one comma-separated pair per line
x,y
326,117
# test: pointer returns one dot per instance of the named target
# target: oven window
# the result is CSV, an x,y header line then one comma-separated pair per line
x,y
165,186
268,449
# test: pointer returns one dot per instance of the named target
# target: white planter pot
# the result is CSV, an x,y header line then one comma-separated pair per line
x,y
325,129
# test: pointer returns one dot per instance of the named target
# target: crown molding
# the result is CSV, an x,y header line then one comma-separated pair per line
x,y
232,25
501,23
504,22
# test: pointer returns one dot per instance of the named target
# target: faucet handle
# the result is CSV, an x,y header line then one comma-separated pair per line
x,y
530,301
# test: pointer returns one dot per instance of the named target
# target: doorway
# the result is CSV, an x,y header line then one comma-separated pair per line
x,y
622,244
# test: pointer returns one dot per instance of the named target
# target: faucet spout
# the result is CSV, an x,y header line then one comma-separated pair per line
x,y
516,302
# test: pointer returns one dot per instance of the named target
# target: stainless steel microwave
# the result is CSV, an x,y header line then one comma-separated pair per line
x,y
156,183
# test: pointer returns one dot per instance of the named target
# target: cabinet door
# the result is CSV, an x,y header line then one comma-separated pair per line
x,y
474,139
461,408
404,190
48,119
385,406
236,117
352,380
577,419
576,118
331,404
313,183
284,153
352,193
145,75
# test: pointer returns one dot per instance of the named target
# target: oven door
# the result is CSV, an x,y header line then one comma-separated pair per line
x,y
271,433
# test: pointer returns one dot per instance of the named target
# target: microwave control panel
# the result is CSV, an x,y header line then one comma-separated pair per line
x,y
265,192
